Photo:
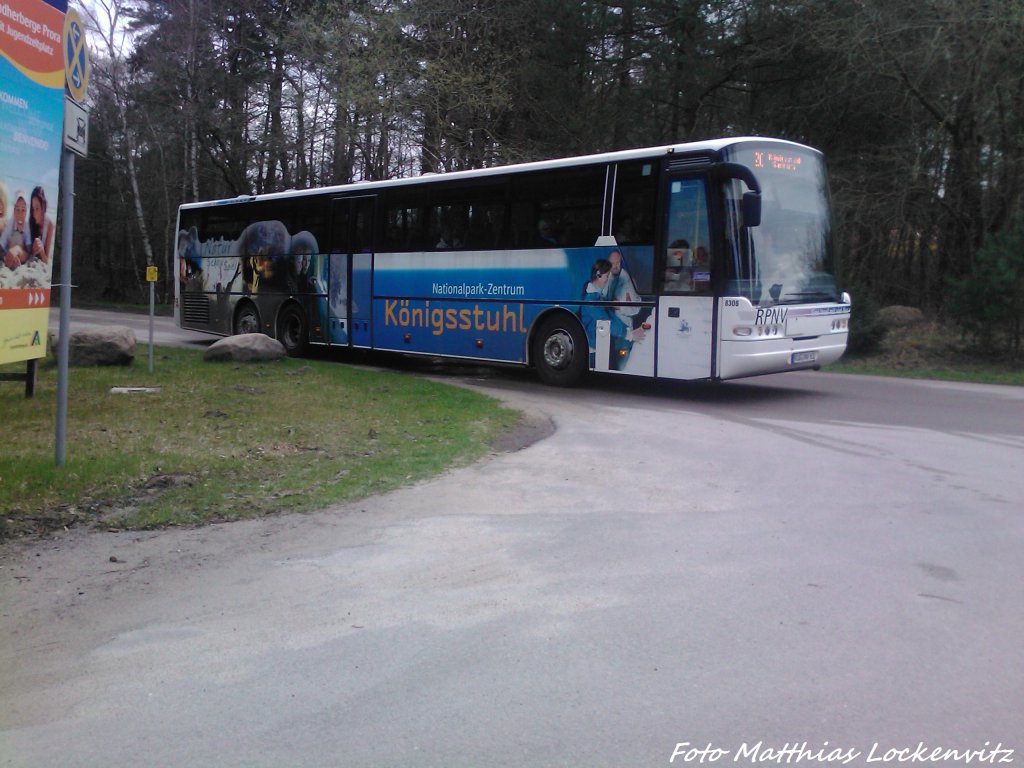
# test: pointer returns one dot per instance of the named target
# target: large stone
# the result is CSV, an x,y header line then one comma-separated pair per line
x,y
99,345
245,348
898,316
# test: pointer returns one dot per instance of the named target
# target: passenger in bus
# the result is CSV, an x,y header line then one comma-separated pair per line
x,y
626,232
447,240
545,234
677,266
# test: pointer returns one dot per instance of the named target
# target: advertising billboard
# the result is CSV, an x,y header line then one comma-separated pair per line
x,y
31,133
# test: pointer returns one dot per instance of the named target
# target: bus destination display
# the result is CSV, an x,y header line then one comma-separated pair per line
x,y
775,161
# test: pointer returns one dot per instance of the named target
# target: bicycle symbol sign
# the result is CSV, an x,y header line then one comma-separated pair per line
x,y
76,56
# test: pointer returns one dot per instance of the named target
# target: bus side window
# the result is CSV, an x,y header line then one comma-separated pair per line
x,y
224,223
352,230
340,226
362,226
449,224
314,220
405,219
486,225
636,194
467,216
558,209
633,217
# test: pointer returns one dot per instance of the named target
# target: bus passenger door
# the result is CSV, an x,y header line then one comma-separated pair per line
x,y
686,305
351,271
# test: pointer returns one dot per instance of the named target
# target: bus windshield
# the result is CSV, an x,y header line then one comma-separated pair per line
x,y
788,259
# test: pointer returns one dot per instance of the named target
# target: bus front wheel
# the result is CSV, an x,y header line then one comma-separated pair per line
x,y
247,320
560,351
291,329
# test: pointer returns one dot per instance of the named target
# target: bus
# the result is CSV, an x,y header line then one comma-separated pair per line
x,y
710,260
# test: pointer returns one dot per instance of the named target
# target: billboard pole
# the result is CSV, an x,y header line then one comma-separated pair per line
x,y
63,344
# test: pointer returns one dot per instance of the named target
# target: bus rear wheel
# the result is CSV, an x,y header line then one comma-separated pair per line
x,y
247,320
291,330
560,352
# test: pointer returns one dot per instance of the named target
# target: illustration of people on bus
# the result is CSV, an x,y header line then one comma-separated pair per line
x,y
597,295
265,256
622,290
190,266
262,247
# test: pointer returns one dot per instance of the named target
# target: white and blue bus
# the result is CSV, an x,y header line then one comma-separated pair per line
x,y
702,261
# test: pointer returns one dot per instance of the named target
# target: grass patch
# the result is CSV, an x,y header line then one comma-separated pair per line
x,y
926,351
227,441
971,374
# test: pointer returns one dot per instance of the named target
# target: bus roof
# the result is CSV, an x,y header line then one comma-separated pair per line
x,y
711,145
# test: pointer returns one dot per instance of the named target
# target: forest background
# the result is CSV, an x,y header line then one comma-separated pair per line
x,y
918,106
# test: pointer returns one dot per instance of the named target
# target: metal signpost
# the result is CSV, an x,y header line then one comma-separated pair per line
x,y
151,278
76,138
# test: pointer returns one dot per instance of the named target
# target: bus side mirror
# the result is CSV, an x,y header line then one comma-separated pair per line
x,y
750,209
750,203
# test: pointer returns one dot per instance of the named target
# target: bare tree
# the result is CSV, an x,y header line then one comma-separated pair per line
x,y
106,20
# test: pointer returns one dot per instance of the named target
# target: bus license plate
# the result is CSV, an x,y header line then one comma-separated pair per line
x,y
804,357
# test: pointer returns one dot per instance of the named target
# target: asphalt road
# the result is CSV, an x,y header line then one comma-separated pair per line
x,y
800,562
165,332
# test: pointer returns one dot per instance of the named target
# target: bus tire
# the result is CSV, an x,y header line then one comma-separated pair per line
x,y
247,319
292,330
560,352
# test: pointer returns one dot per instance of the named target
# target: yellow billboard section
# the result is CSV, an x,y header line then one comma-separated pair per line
x,y
24,335
24,314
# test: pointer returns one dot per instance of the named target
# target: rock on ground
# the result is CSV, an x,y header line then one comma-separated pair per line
x,y
99,345
248,347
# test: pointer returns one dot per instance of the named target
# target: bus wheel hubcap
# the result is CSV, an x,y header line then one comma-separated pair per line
x,y
247,323
558,350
